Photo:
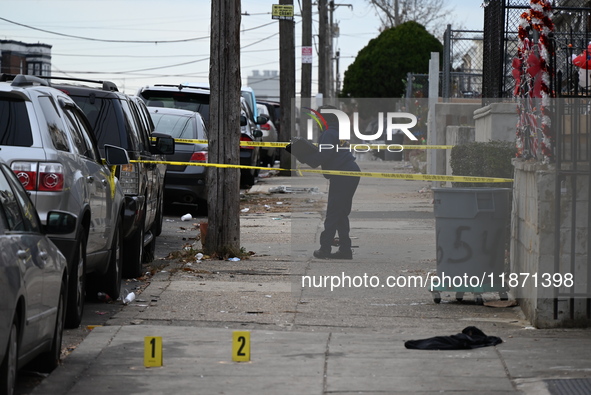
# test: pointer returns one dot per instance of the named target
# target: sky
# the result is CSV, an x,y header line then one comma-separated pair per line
x,y
125,41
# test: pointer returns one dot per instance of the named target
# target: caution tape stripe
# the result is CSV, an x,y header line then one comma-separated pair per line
x,y
396,176
353,146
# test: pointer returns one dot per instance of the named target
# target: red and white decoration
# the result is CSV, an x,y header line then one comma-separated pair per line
x,y
532,73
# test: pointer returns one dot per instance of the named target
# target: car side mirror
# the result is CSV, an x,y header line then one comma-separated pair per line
x,y
60,222
164,144
257,133
262,119
243,120
116,155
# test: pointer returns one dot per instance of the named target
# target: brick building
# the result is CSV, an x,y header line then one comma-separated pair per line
x,y
17,57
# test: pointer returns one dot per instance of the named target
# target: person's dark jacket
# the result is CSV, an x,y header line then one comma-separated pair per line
x,y
333,154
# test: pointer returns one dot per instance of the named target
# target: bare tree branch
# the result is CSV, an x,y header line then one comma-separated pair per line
x,y
433,14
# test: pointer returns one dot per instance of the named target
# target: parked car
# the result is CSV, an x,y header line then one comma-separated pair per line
x,y
274,113
268,154
184,184
34,277
196,98
46,140
119,120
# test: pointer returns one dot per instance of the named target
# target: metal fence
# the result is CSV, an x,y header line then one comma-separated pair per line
x,y
462,63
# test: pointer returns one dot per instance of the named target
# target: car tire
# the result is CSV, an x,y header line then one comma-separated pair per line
x,y
111,280
48,361
8,367
150,251
134,254
77,285
157,225
247,177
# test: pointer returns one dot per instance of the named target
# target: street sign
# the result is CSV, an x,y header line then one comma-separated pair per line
x,y
306,54
280,11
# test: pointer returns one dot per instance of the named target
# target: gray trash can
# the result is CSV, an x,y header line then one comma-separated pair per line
x,y
471,229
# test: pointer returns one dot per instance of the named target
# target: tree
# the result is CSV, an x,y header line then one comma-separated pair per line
x,y
223,200
433,14
380,68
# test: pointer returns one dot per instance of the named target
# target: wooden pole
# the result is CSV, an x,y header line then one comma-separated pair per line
x,y
223,200
287,82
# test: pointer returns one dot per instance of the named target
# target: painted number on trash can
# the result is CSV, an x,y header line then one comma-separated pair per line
x,y
241,346
152,351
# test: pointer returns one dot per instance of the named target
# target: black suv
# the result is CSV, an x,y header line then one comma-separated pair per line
x,y
123,121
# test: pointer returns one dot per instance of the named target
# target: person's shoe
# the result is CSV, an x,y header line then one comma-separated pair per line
x,y
322,254
340,254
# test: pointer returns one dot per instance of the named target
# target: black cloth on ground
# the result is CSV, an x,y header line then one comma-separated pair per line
x,y
471,337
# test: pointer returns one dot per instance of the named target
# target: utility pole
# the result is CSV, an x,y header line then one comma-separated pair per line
x,y
306,79
223,197
323,56
287,81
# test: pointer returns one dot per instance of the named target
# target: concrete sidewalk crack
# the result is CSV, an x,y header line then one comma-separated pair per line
x,y
325,376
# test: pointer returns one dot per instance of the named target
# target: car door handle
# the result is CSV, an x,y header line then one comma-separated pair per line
x,y
22,254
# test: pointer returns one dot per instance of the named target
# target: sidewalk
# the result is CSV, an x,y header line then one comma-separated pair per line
x,y
311,340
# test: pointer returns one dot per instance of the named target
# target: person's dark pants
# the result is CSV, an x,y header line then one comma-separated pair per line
x,y
340,200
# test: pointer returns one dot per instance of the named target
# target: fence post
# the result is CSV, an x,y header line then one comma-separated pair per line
x,y
446,83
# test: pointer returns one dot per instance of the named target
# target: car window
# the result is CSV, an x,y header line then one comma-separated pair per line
x,y
81,143
143,129
54,124
15,129
13,198
133,133
191,101
177,126
102,116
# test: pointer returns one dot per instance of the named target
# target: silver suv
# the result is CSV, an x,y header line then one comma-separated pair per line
x,y
47,141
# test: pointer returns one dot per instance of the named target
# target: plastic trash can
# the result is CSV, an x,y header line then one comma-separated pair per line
x,y
471,228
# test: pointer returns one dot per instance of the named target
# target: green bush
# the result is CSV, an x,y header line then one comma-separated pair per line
x,y
492,159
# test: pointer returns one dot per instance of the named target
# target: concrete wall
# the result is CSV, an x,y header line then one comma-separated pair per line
x,y
496,121
450,114
533,239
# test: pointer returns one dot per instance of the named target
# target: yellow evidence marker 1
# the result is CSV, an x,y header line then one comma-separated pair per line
x,y
152,351
241,346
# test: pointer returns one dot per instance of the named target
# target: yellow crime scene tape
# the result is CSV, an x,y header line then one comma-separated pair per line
x,y
392,176
353,146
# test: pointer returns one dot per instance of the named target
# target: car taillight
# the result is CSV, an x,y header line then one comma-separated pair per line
x,y
199,157
51,177
47,177
266,126
129,178
245,138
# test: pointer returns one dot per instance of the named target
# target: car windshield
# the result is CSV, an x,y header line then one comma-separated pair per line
x,y
179,127
15,129
184,100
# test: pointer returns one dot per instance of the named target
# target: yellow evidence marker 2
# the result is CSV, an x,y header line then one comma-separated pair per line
x,y
241,346
152,351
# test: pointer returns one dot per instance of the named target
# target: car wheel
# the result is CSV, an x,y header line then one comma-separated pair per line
x,y
77,285
134,254
247,177
149,251
111,281
9,364
49,360
157,225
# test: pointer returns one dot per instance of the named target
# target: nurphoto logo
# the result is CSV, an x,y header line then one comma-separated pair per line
x,y
390,118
